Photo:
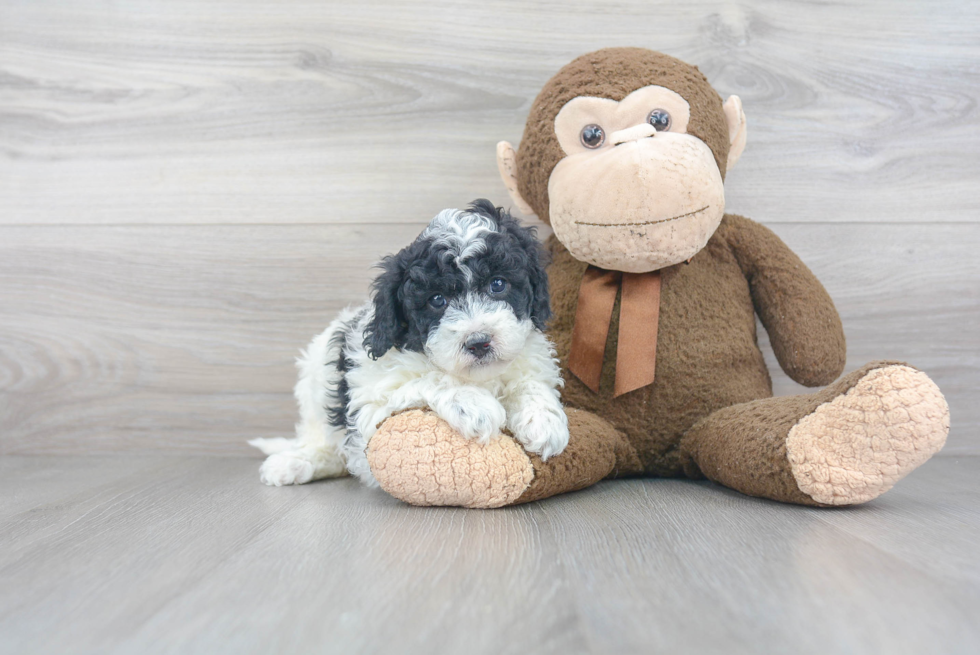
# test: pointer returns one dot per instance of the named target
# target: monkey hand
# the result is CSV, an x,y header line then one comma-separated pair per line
x,y
417,457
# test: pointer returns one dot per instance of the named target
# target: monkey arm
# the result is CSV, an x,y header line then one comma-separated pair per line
x,y
797,312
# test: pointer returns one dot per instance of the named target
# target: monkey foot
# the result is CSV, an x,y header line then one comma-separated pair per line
x,y
857,446
416,457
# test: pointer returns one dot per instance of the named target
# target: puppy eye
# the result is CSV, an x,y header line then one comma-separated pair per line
x,y
437,301
498,285
660,119
593,136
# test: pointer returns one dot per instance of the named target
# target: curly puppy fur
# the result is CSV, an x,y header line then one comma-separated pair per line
x,y
455,325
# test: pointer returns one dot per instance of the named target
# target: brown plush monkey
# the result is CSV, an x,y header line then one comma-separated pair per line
x,y
655,292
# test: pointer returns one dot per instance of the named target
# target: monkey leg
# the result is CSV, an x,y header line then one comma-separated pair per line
x,y
844,445
417,458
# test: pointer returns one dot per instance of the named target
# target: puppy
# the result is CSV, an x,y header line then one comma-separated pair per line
x,y
455,325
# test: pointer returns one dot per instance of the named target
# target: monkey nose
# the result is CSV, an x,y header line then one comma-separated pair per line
x,y
478,344
635,133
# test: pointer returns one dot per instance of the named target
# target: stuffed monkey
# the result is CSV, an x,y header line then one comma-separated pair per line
x,y
654,291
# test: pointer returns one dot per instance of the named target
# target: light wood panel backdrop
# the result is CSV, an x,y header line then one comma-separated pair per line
x,y
189,190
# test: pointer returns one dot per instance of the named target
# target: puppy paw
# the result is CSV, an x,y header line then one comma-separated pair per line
x,y
544,432
282,469
474,413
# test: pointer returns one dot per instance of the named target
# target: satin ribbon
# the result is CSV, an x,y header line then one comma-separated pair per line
x,y
639,316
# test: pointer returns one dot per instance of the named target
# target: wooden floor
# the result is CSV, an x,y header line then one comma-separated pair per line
x,y
160,554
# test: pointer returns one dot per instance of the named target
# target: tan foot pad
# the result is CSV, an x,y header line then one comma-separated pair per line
x,y
858,445
417,458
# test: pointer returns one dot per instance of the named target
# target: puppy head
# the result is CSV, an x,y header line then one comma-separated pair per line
x,y
467,292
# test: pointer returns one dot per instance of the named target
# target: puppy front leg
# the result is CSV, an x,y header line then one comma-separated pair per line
x,y
471,411
536,418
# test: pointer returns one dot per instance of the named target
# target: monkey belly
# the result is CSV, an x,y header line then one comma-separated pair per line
x,y
707,353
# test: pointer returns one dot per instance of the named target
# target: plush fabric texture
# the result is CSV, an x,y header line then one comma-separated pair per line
x,y
736,122
605,210
707,352
803,325
744,446
844,445
612,73
416,457
856,446
507,167
596,450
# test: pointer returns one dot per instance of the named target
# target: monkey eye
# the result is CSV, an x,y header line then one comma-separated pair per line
x,y
660,119
437,301
593,136
498,285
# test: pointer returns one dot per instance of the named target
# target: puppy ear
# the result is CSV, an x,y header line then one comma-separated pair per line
x,y
486,208
536,260
388,328
541,300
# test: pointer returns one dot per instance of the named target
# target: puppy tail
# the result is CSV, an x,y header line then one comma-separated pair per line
x,y
274,445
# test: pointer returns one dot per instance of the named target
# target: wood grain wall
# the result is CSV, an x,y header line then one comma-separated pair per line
x,y
189,190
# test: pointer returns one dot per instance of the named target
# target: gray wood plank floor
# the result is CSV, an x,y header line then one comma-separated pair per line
x,y
132,554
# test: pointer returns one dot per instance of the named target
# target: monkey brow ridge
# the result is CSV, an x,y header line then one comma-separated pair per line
x,y
662,220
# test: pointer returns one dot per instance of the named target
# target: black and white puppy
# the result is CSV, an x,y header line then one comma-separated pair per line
x,y
455,325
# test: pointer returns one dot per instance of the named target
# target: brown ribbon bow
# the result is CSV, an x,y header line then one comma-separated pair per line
x,y
639,315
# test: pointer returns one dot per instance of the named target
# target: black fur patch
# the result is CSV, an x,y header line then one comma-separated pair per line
x,y
340,397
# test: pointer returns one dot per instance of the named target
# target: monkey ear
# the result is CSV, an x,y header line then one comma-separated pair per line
x,y
507,165
736,130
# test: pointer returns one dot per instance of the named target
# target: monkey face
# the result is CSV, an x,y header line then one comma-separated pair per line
x,y
624,154
635,192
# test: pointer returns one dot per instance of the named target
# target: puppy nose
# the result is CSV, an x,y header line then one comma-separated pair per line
x,y
478,344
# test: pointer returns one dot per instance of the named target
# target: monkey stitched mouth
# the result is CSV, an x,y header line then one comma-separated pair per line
x,y
662,220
